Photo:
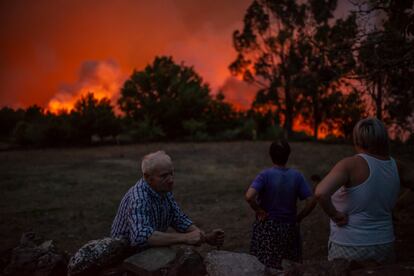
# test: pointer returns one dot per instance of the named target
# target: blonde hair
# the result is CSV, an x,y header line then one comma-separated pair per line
x,y
371,135
153,160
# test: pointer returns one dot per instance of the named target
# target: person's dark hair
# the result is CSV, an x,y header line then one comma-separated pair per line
x,y
279,152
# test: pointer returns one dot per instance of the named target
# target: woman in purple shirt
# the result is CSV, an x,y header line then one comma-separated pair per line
x,y
273,195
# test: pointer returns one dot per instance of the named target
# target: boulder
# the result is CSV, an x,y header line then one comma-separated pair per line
x,y
170,261
151,261
187,262
225,263
33,257
97,255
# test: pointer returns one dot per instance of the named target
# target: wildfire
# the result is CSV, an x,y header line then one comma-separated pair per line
x,y
104,79
67,102
300,125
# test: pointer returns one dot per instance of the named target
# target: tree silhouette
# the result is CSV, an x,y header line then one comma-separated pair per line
x,y
326,49
297,54
165,94
267,52
8,120
386,60
91,116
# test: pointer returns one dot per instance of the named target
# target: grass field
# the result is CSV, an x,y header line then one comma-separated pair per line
x,y
72,195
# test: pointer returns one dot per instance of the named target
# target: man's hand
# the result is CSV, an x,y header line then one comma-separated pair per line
x,y
215,237
340,219
195,237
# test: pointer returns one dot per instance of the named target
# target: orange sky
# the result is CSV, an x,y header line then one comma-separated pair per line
x,y
53,50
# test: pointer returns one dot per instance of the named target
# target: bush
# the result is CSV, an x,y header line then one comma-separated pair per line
x,y
146,130
196,130
332,139
228,135
272,133
301,136
29,134
248,130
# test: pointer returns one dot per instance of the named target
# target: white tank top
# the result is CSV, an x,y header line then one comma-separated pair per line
x,y
368,205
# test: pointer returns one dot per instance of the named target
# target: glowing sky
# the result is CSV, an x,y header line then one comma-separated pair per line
x,y
51,47
53,50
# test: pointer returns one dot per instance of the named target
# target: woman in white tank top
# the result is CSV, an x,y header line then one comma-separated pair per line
x,y
359,194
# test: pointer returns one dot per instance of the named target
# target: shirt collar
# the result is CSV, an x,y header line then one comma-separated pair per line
x,y
149,189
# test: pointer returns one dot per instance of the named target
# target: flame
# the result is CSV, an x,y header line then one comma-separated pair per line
x,y
65,102
102,78
299,124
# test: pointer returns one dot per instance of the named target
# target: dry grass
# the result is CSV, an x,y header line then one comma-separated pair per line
x,y
72,195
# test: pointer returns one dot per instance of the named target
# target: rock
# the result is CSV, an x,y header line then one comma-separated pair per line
x,y
224,263
150,261
114,271
169,261
32,259
47,245
29,239
188,262
97,255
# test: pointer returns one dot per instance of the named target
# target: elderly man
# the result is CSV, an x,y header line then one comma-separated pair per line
x,y
149,208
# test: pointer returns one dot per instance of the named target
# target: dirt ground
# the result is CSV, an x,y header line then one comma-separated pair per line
x,y
72,195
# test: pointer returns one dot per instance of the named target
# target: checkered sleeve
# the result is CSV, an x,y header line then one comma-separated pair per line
x,y
181,222
140,224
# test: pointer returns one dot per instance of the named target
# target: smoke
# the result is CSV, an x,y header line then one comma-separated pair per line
x,y
238,92
102,78
210,52
45,41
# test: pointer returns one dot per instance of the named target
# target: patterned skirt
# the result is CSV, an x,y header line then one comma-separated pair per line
x,y
273,241
381,253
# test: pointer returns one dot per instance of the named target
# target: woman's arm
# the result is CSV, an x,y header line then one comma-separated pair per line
x,y
250,197
337,177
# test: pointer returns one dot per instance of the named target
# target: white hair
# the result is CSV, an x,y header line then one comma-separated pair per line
x,y
153,160
371,135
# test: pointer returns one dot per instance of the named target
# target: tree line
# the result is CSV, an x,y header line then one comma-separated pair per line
x,y
330,70
305,63
165,101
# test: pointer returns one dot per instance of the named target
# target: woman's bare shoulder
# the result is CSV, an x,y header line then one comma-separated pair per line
x,y
348,163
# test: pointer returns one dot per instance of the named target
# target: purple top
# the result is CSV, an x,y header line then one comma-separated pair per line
x,y
278,189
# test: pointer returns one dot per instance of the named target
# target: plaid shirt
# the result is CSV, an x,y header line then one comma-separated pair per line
x,y
143,211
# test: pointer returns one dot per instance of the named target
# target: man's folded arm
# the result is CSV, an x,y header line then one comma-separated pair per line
x,y
140,228
181,222
143,234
